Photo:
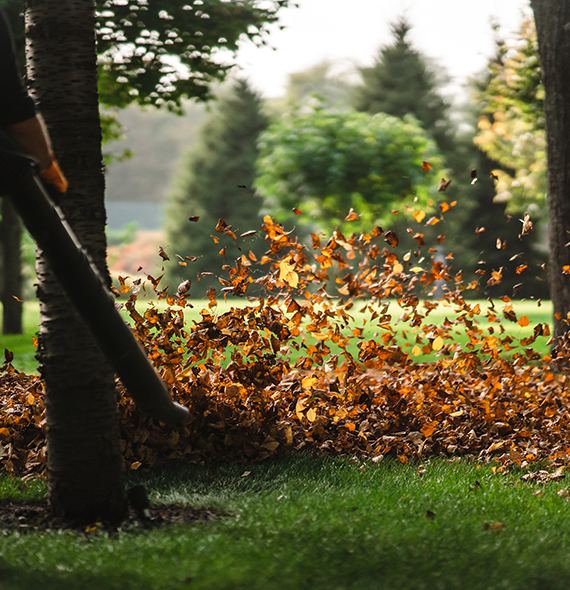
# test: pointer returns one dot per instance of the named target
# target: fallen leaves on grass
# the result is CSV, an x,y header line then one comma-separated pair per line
x,y
305,369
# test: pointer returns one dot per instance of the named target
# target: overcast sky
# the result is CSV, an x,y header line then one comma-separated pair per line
x,y
455,33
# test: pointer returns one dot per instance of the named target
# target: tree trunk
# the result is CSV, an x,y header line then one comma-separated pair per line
x,y
11,270
553,30
85,467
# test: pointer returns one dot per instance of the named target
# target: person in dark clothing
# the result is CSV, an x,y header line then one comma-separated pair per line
x,y
18,116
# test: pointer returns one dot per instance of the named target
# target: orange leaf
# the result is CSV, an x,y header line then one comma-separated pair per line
x,y
352,215
429,429
419,216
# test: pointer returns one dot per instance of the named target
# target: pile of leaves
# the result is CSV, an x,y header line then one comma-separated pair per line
x,y
297,370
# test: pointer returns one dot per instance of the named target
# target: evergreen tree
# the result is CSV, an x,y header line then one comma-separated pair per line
x,y
332,89
215,183
400,83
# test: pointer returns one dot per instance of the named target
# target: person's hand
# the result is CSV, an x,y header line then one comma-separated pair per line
x,y
54,176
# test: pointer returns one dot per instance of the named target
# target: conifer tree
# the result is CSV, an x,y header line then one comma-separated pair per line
x,y
215,182
400,83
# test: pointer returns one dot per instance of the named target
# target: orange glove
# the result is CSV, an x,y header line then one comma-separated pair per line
x,y
54,176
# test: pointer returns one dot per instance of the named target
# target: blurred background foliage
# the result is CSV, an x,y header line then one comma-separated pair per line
x,y
192,160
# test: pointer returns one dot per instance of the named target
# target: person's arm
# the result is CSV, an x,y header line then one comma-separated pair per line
x,y
18,114
32,135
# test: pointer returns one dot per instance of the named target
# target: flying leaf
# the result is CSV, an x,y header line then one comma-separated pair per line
x,y
523,321
163,254
527,225
287,274
443,184
184,287
352,215
296,211
437,344
222,226
426,166
419,216
392,238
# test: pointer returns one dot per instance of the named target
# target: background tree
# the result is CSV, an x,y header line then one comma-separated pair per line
x,y
215,182
332,88
326,163
552,20
11,227
510,118
158,52
400,83
511,127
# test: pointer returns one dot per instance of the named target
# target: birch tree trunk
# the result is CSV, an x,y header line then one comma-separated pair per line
x,y
85,468
553,29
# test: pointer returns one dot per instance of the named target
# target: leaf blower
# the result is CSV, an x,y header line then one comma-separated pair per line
x,y
82,283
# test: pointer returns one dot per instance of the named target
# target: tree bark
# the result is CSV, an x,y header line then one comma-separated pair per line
x,y
11,232
553,30
85,467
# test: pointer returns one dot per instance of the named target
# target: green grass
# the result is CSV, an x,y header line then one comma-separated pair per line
x,y
302,523
24,351
22,344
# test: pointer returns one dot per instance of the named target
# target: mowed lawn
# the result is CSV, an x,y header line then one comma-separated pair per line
x,y
314,523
